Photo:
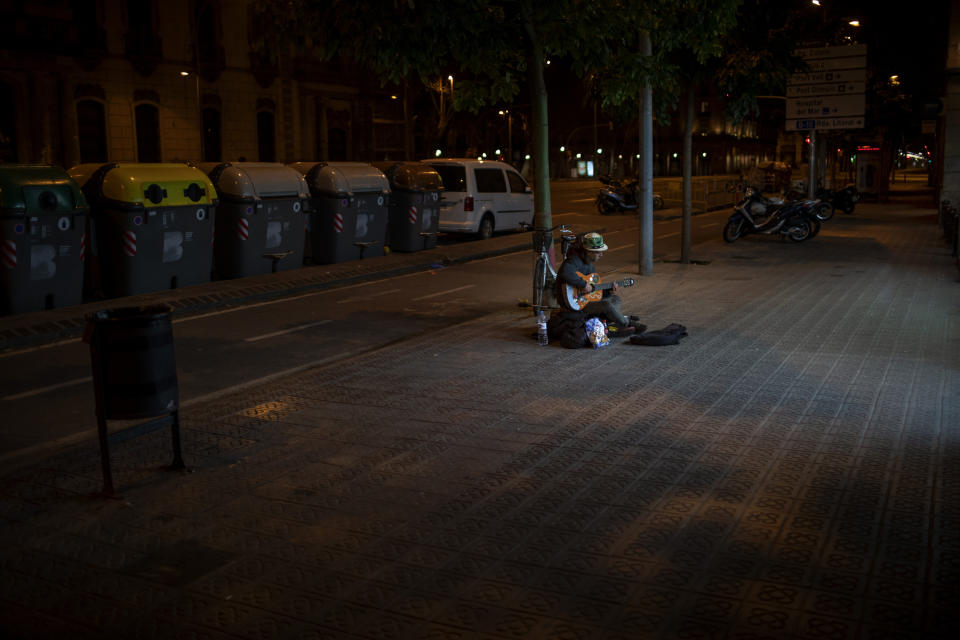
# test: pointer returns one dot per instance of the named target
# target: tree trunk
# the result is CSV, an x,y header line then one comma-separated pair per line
x,y
645,229
543,217
687,177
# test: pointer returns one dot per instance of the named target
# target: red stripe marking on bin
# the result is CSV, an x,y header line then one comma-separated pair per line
x,y
9,252
338,222
83,246
243,229
130,243
412,215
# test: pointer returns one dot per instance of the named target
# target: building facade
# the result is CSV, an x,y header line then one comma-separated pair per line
x,y
174,81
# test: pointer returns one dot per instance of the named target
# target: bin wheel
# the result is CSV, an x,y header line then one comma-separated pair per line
x,y
486,227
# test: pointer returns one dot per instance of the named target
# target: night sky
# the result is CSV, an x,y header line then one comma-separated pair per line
x,y
904,38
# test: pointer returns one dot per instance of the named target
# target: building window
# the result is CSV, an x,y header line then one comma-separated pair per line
x,y
211,135
147,118
266,137
92,131
337,144
8,124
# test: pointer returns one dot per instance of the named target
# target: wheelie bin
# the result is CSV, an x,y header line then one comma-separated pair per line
x,y
348,210
261,218
151,226
413,206
42,238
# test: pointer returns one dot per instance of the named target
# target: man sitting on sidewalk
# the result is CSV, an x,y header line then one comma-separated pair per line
x,y
580,262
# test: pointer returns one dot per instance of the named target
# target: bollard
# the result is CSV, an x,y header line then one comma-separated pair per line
x,y
134,376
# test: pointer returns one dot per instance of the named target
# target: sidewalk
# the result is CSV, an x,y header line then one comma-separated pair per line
x,y
790,470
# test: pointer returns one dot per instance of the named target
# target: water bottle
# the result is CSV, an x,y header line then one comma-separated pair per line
x,y
542,336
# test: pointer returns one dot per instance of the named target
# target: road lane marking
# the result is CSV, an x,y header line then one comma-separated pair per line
x,y
286,331
591,199
621,247
372,295
669,235
442,293
41,390
712,224
562,215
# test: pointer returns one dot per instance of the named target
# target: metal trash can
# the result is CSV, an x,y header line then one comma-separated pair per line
x,y
348,210
261,218
134,375
413,206
151,226
42,238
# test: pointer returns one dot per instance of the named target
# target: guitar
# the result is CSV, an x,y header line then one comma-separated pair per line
x,y
572,298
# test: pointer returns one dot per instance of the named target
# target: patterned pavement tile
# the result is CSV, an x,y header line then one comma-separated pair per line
x,y
753,484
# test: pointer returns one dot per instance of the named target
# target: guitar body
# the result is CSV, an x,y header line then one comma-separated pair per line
x,y
573,299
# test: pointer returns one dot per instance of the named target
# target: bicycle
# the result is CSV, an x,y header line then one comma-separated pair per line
x,y
544,275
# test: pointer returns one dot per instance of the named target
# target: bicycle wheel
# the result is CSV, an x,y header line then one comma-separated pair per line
x,y
540,284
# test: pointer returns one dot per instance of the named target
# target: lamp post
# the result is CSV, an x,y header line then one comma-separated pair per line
x,y
196,77
506,112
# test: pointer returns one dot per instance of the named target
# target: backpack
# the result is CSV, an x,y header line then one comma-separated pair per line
x,y
670,334
569,327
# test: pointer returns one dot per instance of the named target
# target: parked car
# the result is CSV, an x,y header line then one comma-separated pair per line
x,y
482,196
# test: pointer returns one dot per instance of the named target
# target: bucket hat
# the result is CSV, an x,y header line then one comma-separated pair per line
x,y
594,242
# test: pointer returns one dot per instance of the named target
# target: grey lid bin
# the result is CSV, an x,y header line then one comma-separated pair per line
x,y
414,205
151,226
42,238
348,210
261,218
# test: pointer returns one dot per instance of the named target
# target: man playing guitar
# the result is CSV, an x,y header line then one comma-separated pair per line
x,y
579,263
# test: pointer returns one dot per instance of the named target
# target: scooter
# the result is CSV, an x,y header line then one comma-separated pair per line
x,y
754,214
614,197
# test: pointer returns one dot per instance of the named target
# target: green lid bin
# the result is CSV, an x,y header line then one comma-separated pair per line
x,y
413,209
151,225
261,218
42,238
348,210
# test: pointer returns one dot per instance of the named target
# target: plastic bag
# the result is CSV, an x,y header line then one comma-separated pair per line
x,y
597,333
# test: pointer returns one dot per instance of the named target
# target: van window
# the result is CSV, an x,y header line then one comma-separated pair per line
x,y
490,181
517,184
454,177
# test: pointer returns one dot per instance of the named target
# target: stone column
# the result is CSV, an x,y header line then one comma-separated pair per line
x,y
950,168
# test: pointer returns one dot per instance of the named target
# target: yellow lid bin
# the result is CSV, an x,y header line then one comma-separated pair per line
x,y
151,225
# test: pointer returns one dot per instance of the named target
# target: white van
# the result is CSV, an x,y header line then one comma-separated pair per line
x,y
481,196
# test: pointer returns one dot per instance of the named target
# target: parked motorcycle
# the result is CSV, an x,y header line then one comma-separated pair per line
x,y
615,197
755,214
845,199
821,209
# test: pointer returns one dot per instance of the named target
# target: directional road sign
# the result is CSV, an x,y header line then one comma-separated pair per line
x,y
830,94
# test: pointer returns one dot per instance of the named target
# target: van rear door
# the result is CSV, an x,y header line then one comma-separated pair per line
x,y
452,214
492,193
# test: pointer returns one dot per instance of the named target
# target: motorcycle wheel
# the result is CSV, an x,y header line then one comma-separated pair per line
x,y
605,207
815,226
798,229
848,207
733,230
657,201
824,211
